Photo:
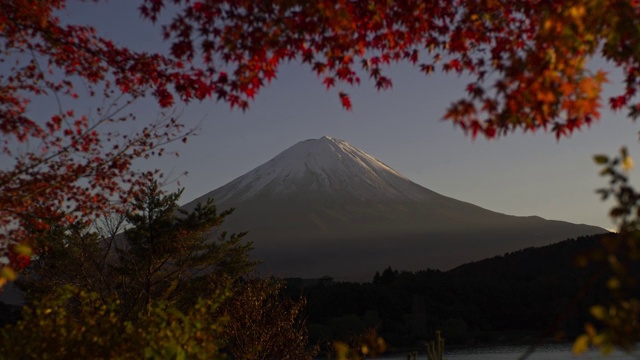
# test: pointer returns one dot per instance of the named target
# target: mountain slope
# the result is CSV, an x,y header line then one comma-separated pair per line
x,y
325,207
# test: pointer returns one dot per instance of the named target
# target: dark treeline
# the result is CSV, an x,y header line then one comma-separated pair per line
x,y
516,297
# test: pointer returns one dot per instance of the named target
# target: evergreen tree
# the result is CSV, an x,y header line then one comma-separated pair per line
x,y
70,255
376,277
175,255
165,254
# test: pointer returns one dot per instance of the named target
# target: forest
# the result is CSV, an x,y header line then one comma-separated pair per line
x,y
520,297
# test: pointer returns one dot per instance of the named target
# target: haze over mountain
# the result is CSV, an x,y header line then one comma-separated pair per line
x,y
325,207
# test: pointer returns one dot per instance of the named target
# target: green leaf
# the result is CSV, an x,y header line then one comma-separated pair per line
x,y
181,355
601,159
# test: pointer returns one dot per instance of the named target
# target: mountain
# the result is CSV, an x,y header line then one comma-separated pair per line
x,y
325,207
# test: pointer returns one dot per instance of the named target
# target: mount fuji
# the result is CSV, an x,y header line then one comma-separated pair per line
x,y
324,207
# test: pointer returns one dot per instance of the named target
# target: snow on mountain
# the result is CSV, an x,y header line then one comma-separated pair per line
x,y
326,165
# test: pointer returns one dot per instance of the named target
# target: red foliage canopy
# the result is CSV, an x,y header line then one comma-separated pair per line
x,y
70,166
528,58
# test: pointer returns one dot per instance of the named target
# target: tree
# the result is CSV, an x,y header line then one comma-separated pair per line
x,y
615,321
169,251
165,254
265,324
72,167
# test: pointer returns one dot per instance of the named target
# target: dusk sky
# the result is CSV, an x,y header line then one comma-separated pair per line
x,y
519,174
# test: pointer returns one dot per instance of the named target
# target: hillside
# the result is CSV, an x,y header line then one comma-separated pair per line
x,y
515,297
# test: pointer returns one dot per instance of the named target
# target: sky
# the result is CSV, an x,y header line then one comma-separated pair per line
x,y
521,174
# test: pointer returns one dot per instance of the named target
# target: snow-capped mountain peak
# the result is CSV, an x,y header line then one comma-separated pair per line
x,y
325,165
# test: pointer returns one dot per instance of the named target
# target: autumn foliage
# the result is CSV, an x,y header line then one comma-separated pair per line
x,y
527,60
72,166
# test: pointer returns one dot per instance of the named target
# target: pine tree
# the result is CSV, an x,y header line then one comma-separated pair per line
x,y
173,255
164,254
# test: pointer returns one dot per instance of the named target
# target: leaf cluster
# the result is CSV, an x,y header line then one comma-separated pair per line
x,y
64,165
73,323
527,59
616,320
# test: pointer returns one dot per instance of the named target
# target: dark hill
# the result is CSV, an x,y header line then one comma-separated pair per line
x,y
513,297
